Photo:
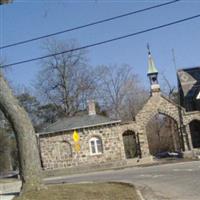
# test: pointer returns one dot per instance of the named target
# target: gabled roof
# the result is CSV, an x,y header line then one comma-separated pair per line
x,y
78,122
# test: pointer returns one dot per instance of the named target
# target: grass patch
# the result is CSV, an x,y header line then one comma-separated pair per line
x,y
89,191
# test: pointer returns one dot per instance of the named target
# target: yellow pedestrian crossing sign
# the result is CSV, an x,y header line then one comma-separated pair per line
x,y
76,136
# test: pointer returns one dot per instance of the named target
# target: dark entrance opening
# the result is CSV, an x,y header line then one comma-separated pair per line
x,y
162,134
130,144
195,133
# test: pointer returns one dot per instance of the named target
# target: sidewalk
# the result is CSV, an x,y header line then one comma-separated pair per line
x,y
6,197
9,189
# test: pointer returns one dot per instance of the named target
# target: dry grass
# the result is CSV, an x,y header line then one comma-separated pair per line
x,y
89,191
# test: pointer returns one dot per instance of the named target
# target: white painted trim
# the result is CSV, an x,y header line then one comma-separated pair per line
x,y
95,139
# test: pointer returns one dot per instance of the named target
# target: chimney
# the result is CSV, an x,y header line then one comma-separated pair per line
x,y
91,107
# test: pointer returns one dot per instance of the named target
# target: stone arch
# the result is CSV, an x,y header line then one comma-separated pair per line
x,y
191,118
157,140
61,150
170,115
163,112
131,144
157,104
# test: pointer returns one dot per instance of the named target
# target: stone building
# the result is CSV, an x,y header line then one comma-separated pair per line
x,y
93,140
189,90
81,140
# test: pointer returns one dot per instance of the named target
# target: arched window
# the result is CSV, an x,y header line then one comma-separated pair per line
x,y
96,147
61,150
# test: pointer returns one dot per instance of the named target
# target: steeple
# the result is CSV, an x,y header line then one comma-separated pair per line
x,y
152,73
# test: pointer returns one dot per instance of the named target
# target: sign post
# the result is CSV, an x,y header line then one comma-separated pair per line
x,y
76,139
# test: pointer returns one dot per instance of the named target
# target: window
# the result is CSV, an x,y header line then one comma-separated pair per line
x,y
95,144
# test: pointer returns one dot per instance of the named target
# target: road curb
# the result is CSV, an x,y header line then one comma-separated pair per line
x,y
140,194
12,187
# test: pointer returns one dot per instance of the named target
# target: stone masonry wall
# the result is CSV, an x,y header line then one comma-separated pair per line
x,y
160,104
57,150
156,104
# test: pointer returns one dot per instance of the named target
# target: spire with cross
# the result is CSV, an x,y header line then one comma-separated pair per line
x,y
152,72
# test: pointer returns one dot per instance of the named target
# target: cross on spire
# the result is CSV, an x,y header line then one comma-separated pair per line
x,y
152,73
148,48
151,65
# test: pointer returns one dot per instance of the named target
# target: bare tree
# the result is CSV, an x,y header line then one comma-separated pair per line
x,y
65,79
169,89
30,168
119,90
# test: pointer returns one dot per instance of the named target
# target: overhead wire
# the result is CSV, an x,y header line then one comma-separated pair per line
x,y
102,42
87,25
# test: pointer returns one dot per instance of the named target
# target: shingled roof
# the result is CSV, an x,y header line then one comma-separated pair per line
x,y
78,122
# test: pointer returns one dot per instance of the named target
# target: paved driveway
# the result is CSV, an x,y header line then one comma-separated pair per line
x,y
180,181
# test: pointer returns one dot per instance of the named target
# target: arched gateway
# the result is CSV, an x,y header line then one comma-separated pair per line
x,y
105,142
187,134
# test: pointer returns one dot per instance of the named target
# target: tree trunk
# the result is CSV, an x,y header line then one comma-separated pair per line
x,y
30,168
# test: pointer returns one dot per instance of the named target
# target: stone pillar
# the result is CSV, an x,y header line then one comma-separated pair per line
x,y
189,138
173,133
144,146
139,152
120,132
185,139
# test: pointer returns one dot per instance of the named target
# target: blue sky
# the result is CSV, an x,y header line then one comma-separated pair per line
x,y
26,19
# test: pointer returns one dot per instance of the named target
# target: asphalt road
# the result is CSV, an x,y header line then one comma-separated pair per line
x,y
177,181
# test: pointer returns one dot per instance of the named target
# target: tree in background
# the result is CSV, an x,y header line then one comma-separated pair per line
x,y
169,90
65,79
40,114
47,114
162,134
119,90
67,82
31,105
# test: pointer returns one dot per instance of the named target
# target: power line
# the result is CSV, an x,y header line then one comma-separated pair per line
x,y
103,42
89,24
